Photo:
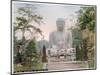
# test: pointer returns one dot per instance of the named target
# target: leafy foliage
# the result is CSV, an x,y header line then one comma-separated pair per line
x,y
31,56
87,24
25,16
31,48
87,18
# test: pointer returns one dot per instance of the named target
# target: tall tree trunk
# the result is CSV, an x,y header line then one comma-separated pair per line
x,y
44,57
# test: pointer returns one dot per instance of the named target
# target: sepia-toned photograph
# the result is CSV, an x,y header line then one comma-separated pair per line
x,y
49,37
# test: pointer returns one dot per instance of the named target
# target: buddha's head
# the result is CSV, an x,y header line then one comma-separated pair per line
x,y
60,24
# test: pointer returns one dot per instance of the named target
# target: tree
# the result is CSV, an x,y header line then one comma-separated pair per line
x,y
87,18
31,55
77,42
26,15
87,24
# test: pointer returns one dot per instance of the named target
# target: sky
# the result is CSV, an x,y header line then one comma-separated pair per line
x,y
50,13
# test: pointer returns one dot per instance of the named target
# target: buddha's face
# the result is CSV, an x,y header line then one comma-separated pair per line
x,y
60,24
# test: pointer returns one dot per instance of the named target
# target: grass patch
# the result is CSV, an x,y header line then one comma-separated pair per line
x,y
27,68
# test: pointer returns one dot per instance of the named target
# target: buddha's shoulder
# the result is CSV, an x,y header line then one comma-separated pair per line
x,y
53,33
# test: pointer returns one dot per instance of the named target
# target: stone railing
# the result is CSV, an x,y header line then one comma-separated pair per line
x,y
68,54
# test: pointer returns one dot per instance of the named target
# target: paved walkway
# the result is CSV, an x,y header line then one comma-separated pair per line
x,y
67,65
